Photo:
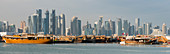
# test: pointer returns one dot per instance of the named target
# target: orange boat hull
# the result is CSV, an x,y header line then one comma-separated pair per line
x,y
26,41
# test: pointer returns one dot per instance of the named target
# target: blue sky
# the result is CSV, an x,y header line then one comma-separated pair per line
x,y
155,11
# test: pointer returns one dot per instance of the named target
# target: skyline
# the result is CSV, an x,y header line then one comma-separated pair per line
x,y
84,26
88,10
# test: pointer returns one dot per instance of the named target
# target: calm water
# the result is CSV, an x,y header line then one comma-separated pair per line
x,y
81,48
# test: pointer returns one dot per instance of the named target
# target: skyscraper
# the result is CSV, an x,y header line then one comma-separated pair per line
x,y
23,24
68,31
12,28
29,25
63,24
107,28
112,26
58,25
47,22
168,31
140,30
1,28
164,29
25,29
137,24
6,26
119,27
20,30
52,22
125,26
144,29
44,26
87,29
79,27
39,12
132,28
75,26
129,29
99,25
148,28
34,23
95,28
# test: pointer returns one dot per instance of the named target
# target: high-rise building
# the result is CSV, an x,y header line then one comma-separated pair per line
x,y
62,24
23,24
29,25
148,28
34,23
95,28
1,28
119,27
140,30
137,24
164,29
52,22
39,19
125,26
47,22
68,31
75,26
44,26
132,29
88,30
144,29
25,29
112,26
79,27
99,25
58,25
107,29
102,30
129,29
6,26
168,31
12,28
20,30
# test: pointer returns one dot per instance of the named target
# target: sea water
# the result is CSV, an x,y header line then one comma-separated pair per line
x,y
82,48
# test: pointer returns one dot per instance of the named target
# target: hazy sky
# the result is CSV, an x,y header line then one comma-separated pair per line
x,y
155,11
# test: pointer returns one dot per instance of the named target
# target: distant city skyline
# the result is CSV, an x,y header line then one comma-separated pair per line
x,y
147,11
55,24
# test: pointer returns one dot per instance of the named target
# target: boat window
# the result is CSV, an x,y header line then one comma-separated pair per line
x,y
48,37
41,37
31,38
24,38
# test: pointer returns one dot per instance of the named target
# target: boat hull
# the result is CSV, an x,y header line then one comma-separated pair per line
x,y
28,41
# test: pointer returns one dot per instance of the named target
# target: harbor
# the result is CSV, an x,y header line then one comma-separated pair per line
x,y
46,39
